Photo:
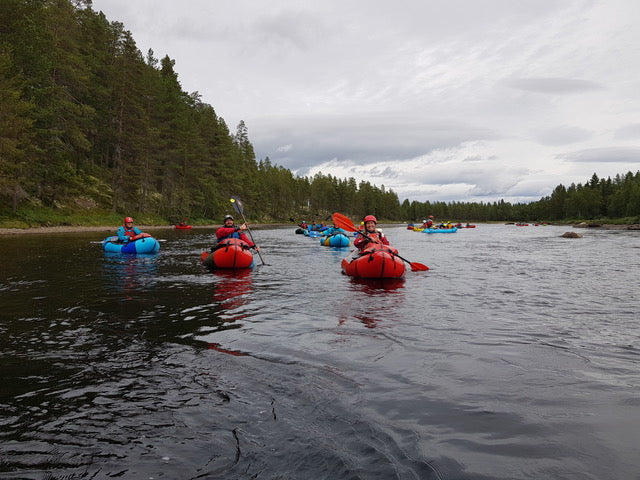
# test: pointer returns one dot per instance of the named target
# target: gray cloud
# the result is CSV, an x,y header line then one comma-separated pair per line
x,y
628,132
553,86
561,135
604,155
358,139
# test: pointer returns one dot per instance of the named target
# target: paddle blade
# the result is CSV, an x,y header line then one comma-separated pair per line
x,y
344,222
237,205
418,267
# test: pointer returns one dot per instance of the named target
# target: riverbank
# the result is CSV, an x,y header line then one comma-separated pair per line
x,y
111,229
608,226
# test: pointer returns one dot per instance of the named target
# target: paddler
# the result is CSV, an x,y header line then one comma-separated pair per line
x,y
373,234
230,230
127,231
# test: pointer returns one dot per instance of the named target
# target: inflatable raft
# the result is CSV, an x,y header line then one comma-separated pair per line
x,y
335,240
440,230
374,261
230,253
182,227
145,243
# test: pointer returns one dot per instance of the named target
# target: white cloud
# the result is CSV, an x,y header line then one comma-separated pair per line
x,y
284,148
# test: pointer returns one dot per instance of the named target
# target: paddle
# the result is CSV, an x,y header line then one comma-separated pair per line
x,y
344,222
114,238
237,206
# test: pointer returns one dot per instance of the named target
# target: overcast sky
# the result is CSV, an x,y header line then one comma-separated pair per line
x,y
439,100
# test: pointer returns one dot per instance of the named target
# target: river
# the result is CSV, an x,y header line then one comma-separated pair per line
x,y
516,356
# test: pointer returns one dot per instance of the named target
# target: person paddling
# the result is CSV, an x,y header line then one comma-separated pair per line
x,y
127,231
230,230
428,223
333,231
370,234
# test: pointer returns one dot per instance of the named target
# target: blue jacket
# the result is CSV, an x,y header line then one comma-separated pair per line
x,y
122,233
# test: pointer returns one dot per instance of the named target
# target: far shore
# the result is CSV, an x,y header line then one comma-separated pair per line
x,y
608,226
112,229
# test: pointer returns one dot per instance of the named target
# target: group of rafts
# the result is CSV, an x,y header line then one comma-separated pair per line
x,y
373,261
230,253
447,227
329,236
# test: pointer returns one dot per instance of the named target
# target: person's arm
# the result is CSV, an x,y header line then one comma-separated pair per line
x,y
224,232
360,241
244,238
121,236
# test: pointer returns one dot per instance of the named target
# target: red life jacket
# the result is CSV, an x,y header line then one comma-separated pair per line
x,y
376,236
129,232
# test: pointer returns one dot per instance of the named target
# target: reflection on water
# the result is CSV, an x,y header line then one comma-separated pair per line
x,y
232,288
129,273
219,305
231,292
373,286
217,347
373,300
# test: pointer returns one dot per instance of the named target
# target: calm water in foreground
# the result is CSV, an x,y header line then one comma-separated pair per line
x,y
517,356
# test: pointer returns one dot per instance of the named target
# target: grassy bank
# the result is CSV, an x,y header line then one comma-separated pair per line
x,y
30,217
45,217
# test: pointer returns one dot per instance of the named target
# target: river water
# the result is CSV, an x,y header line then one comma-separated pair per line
x,y
517,356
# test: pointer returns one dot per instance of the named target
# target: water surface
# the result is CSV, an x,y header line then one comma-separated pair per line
x,y
515,357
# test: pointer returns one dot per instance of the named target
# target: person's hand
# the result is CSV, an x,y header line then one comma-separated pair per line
x,y
257,249
243,226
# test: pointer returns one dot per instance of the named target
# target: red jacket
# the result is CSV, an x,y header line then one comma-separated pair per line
x,y
376,237
232,232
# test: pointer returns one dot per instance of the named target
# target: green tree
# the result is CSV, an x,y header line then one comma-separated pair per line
x,y
15,133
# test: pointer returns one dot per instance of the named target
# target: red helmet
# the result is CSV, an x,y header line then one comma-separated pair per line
x,y
128,220
370,218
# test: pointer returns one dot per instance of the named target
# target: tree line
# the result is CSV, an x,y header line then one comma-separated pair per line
x,y
89,122
597,198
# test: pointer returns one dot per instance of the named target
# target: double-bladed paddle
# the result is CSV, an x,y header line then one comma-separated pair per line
x,y
344,222
238,207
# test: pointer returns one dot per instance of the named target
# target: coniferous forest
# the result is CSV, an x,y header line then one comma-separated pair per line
x,y
88,123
